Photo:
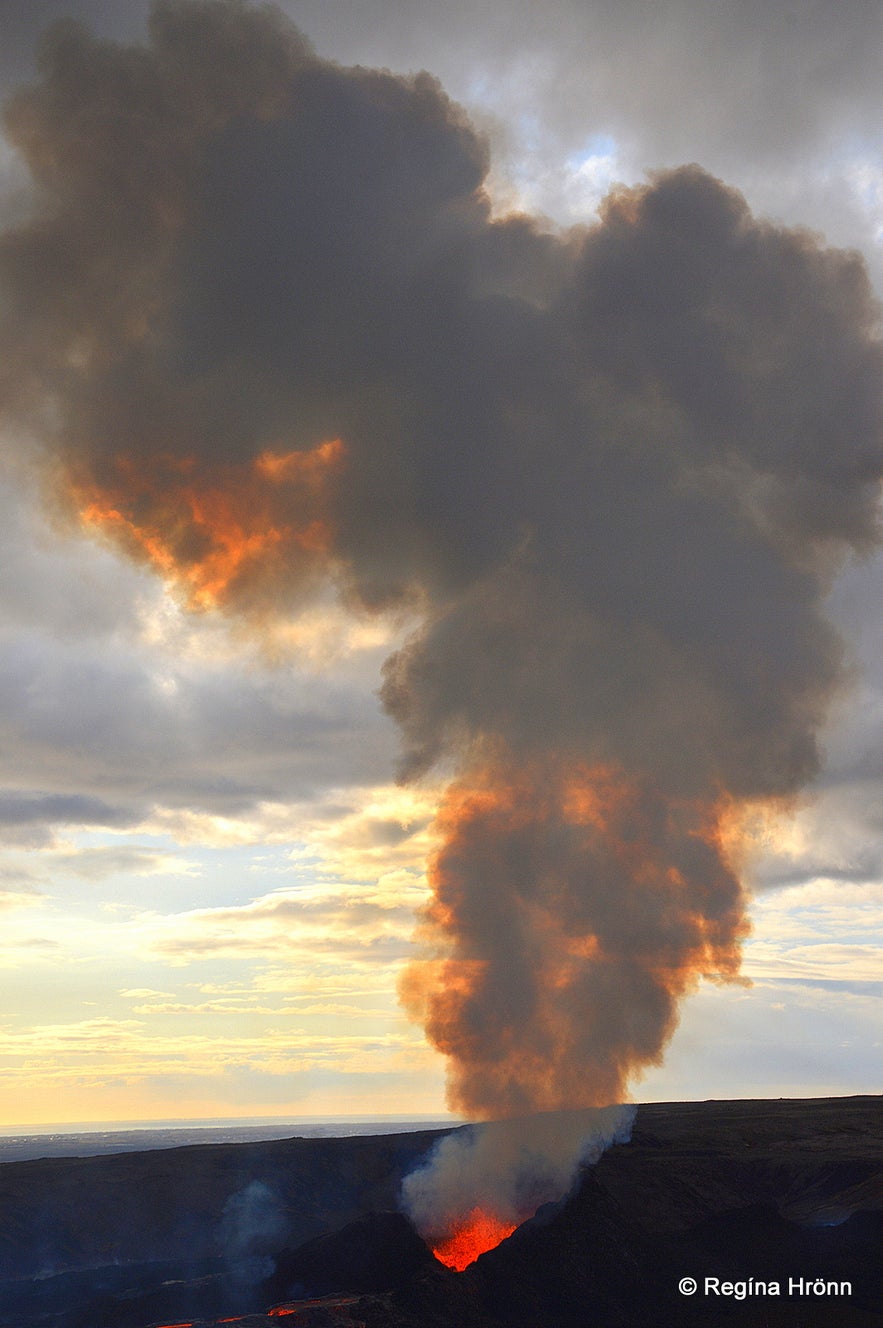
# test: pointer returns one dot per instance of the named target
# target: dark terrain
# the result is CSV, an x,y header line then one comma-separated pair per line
x,y
769,1190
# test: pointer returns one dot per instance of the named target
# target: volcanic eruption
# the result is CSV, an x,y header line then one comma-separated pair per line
x,y
266,333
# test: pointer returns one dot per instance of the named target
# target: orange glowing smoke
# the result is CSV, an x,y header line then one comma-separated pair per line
x,y
222,532
477,1233
573,906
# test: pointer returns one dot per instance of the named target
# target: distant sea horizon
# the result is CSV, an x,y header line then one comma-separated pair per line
x,y
23,1143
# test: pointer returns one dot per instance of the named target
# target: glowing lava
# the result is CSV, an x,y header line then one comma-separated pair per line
x,y
478,1233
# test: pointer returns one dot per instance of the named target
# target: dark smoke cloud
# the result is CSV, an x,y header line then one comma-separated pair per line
x,y
615,471
737,84
784,102
24,19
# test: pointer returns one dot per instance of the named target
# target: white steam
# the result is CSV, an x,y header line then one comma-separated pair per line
x,y
510,1167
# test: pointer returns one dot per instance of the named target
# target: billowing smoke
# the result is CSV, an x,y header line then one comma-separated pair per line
x,y
507,1169
266,331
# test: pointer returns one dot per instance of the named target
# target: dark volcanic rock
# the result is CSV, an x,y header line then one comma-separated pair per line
x,y
733,1190
125,1240
62,1214
586,1262
377,1252
703,1190
757,1241
689,1160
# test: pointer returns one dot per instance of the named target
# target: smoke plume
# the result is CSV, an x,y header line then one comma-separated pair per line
x,y
508,1168
266,331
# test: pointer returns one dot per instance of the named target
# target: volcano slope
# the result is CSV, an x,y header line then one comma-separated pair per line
x,y
767,1191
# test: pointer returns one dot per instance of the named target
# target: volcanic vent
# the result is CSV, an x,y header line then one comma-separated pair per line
x,y
479,1184
473,1234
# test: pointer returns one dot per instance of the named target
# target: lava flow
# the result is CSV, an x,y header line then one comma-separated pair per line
x,y
477,1233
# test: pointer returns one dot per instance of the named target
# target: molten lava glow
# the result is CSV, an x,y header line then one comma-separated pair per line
x,y
215,531
478,1233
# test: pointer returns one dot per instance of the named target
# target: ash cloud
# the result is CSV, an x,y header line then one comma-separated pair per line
x,y
615,471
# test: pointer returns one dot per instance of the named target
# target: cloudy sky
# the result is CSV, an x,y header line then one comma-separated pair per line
x,y
209,874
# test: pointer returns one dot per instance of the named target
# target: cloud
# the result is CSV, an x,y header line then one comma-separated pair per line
x,y
97,864
142,993
114,707
337,922
845,965
321,981
19,886
15,877
818,931
106,1048
55,809
778,1038
222,742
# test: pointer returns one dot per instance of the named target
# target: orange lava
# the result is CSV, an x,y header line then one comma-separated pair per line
x,y
215,532
478,1233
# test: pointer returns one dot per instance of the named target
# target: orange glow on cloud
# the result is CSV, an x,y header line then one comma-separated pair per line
x,y
217,533
610,889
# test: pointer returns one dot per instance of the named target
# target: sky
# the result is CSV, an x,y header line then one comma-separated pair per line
x,y
209,873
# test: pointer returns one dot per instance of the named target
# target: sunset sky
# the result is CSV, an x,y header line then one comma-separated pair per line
x,y
208,872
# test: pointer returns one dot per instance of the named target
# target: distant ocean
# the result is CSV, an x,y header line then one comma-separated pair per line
x,y
93,1140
